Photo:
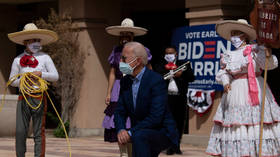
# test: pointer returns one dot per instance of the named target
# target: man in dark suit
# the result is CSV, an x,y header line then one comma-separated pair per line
x,y
177,99
143,97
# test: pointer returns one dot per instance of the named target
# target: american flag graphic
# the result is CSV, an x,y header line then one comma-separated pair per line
x,y
209,50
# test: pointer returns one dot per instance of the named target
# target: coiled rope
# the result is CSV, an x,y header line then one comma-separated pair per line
x,y
35,89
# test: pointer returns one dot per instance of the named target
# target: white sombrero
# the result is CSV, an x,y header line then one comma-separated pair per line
x,y
224,28
127,25
30,31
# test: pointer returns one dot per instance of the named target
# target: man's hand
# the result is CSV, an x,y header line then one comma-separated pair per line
x,y
33,78
123,137
37,73
169,77
267,52
227,88
179,73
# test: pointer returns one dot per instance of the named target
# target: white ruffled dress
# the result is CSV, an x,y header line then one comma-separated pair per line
x,y
237,123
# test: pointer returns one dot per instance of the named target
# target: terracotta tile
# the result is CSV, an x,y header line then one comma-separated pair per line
x,y
83,147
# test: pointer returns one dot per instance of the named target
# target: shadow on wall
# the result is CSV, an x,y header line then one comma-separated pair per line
x,y
97,16
103,44
160,25
7,54
7,48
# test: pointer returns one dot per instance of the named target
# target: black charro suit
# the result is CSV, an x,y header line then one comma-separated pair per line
x,y
178,103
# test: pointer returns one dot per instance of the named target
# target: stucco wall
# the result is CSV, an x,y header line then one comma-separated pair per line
x,y
93,17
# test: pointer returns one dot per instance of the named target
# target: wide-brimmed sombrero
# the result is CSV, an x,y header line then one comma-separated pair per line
x,y
30,31
127,25
224,28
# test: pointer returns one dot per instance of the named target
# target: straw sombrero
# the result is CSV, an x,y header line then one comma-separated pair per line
x,y
127,25
30,31
224,28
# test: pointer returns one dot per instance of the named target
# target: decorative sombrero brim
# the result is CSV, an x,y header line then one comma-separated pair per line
x,y
116,30
46,36
224,29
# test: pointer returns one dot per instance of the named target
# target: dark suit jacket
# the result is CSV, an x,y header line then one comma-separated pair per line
x,y
151,111
183,81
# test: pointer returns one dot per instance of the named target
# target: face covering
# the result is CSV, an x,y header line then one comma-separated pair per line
x,y
125,68
170,57
34,47
236,41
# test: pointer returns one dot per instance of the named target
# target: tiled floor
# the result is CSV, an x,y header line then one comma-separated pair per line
x,y
83,147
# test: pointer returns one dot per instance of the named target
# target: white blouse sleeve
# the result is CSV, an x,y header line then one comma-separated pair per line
x,y
14,71
260,56
51,74
223,77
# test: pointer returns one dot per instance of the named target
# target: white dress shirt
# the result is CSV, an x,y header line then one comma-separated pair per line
x,y
46,66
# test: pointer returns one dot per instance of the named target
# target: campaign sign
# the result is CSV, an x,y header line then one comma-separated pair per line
x,y
202,46
268,25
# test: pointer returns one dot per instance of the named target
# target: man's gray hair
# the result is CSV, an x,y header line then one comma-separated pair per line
x,y
139,51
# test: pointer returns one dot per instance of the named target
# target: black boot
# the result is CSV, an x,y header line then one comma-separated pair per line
x,y
178,151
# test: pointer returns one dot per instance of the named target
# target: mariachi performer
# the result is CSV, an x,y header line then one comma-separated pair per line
x,y
177,88
236,129
40,64
126,31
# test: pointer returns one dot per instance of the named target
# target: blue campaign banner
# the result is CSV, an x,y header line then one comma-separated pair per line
x,y
202,46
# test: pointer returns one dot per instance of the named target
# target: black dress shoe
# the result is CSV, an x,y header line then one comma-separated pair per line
x,y
178,151
170,151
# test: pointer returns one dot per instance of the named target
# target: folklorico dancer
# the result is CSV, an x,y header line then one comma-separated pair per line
x,y
126,31
177,83
236,130
37,65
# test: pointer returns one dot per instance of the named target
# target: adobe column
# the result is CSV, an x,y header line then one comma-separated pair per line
x,y
211,11
92,16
